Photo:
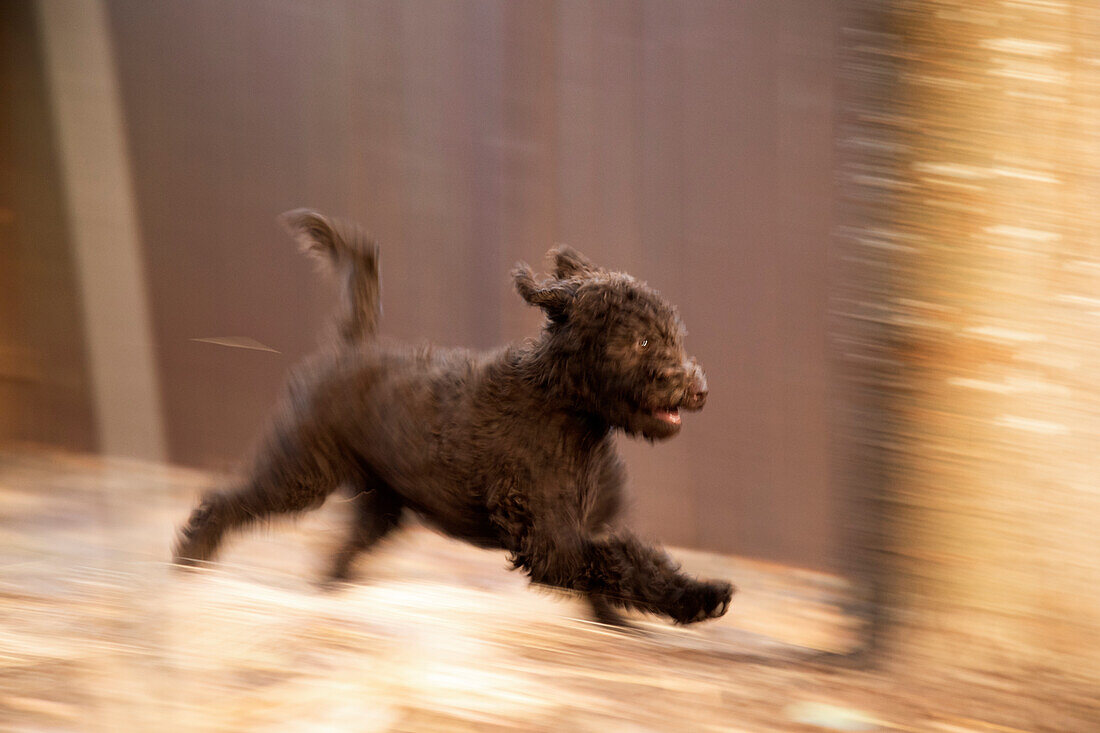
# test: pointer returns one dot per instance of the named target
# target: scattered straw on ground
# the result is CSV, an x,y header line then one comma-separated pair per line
x,y
99,633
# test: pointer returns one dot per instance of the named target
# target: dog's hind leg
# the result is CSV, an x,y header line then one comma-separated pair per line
x,y
377,512
286,479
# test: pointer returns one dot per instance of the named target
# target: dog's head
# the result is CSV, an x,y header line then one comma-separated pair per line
x,y
619,344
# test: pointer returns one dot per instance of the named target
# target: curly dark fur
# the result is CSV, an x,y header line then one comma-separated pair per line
x,y
510,449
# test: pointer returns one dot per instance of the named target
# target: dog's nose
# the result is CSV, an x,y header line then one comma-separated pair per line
x,y
697,387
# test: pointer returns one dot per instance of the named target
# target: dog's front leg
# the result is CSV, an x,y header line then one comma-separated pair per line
x,y
629,572
621,570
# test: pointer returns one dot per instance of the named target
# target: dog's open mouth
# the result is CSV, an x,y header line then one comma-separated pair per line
x,y
671,416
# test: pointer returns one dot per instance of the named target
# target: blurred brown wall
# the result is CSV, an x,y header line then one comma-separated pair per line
x,y
45,390
689,143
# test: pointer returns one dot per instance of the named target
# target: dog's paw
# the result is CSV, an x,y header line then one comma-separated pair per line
x,y
704,600
606,614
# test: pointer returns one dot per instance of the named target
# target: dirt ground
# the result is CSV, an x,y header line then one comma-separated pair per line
x,y
99,633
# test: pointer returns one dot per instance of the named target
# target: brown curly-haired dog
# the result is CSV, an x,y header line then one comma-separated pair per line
x,y
510,449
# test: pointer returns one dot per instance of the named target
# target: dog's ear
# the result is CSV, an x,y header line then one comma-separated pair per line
x,y
568,262
553,297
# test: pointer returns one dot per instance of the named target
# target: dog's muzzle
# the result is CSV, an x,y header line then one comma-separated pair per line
x,y
695,396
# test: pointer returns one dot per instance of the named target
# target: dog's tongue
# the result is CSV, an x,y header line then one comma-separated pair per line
x,y
669,416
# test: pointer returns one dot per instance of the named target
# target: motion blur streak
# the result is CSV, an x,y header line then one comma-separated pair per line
x,y
972,154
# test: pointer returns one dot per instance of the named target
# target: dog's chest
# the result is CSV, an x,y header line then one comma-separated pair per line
x,y
587,484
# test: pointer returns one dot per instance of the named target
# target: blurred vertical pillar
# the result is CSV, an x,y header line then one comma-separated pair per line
x,y
100,205
971,166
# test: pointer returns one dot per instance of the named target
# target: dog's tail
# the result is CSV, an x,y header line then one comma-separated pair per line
x,y
353,256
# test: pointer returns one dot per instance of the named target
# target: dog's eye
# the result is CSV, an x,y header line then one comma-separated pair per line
x,y
643,344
